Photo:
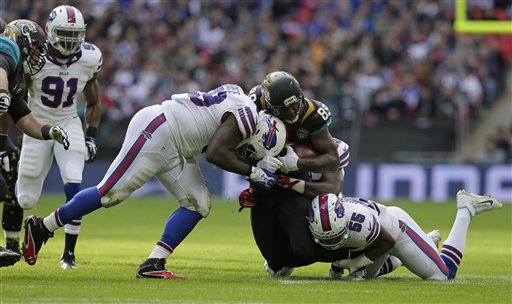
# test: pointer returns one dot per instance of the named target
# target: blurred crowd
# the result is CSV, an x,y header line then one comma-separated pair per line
x,y
498,148
374,59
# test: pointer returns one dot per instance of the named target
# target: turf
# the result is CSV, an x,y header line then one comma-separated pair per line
x,y
223,265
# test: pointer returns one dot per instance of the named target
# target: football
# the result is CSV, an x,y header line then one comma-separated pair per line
x,y
304,151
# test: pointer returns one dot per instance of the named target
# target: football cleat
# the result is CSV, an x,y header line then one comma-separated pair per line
x,y
67,261
476,204
435,236
281,273
13,244
36,235
8,257
155,269
335,272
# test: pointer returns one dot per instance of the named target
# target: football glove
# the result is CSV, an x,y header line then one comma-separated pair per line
x,y
5,101
262,178
5,162
60,135
289,160
291,183
246,199
92,149
270,163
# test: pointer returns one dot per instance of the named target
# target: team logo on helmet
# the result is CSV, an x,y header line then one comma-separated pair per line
x,y
270,138
52,16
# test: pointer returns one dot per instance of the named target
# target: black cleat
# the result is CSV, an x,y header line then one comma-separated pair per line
x,y
67,261
155,269
36,235
8,257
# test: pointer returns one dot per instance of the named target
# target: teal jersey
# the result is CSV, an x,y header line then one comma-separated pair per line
x,y
10,48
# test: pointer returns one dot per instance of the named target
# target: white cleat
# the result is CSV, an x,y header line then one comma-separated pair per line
x,y
435,236
476,204
281,273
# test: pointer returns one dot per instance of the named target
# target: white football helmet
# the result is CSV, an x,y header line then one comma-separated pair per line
x,y
66,29
269,139
328,222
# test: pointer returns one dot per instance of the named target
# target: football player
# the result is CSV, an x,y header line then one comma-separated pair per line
x,y
280,213
22,51
277,217
71,69
382,231
162,140
307,121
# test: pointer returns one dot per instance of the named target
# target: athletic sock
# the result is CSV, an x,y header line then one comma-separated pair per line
x,y
84,202
179,224
453,248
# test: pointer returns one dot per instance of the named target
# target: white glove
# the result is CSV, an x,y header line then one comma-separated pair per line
x,y
262,178
5,101
60,135
359,275
354,265
92,149
289,160
5,163
270,163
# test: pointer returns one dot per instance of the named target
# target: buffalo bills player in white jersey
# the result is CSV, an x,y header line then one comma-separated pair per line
x,y
162,141
71,69
382,231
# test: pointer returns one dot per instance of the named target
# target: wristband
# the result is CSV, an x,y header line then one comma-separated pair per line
x,y
91,132
297,185
45,132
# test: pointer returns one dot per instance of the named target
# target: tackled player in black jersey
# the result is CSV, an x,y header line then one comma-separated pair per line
x,y
278,217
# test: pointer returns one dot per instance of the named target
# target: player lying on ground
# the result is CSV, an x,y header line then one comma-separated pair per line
x,y
162,140
381,232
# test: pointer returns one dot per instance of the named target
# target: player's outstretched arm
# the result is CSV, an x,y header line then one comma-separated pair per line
x,y
222,145
328,158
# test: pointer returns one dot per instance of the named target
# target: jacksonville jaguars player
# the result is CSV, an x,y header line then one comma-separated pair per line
x,y
280,212
163,140
383,231
22,51
71,69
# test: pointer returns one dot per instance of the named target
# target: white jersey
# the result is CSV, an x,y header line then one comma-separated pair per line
x,y
363,222
54,90
194,118
342,148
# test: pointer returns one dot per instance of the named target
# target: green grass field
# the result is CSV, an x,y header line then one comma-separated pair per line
x,y
222,263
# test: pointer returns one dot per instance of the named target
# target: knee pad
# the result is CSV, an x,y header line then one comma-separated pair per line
x,y
198,201
27,201
114,197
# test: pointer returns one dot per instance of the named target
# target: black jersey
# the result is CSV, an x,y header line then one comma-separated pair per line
x,y
315,118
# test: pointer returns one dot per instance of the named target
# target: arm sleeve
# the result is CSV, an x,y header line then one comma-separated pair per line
x,y
18,108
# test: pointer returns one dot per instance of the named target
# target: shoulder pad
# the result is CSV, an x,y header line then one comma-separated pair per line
x,y
317,117
92,55
10,48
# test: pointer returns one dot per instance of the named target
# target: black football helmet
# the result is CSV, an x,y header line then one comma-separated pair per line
x,y
283,96
31,39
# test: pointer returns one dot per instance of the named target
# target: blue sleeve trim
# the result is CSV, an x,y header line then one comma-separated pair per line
x,y
10,48
325,126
